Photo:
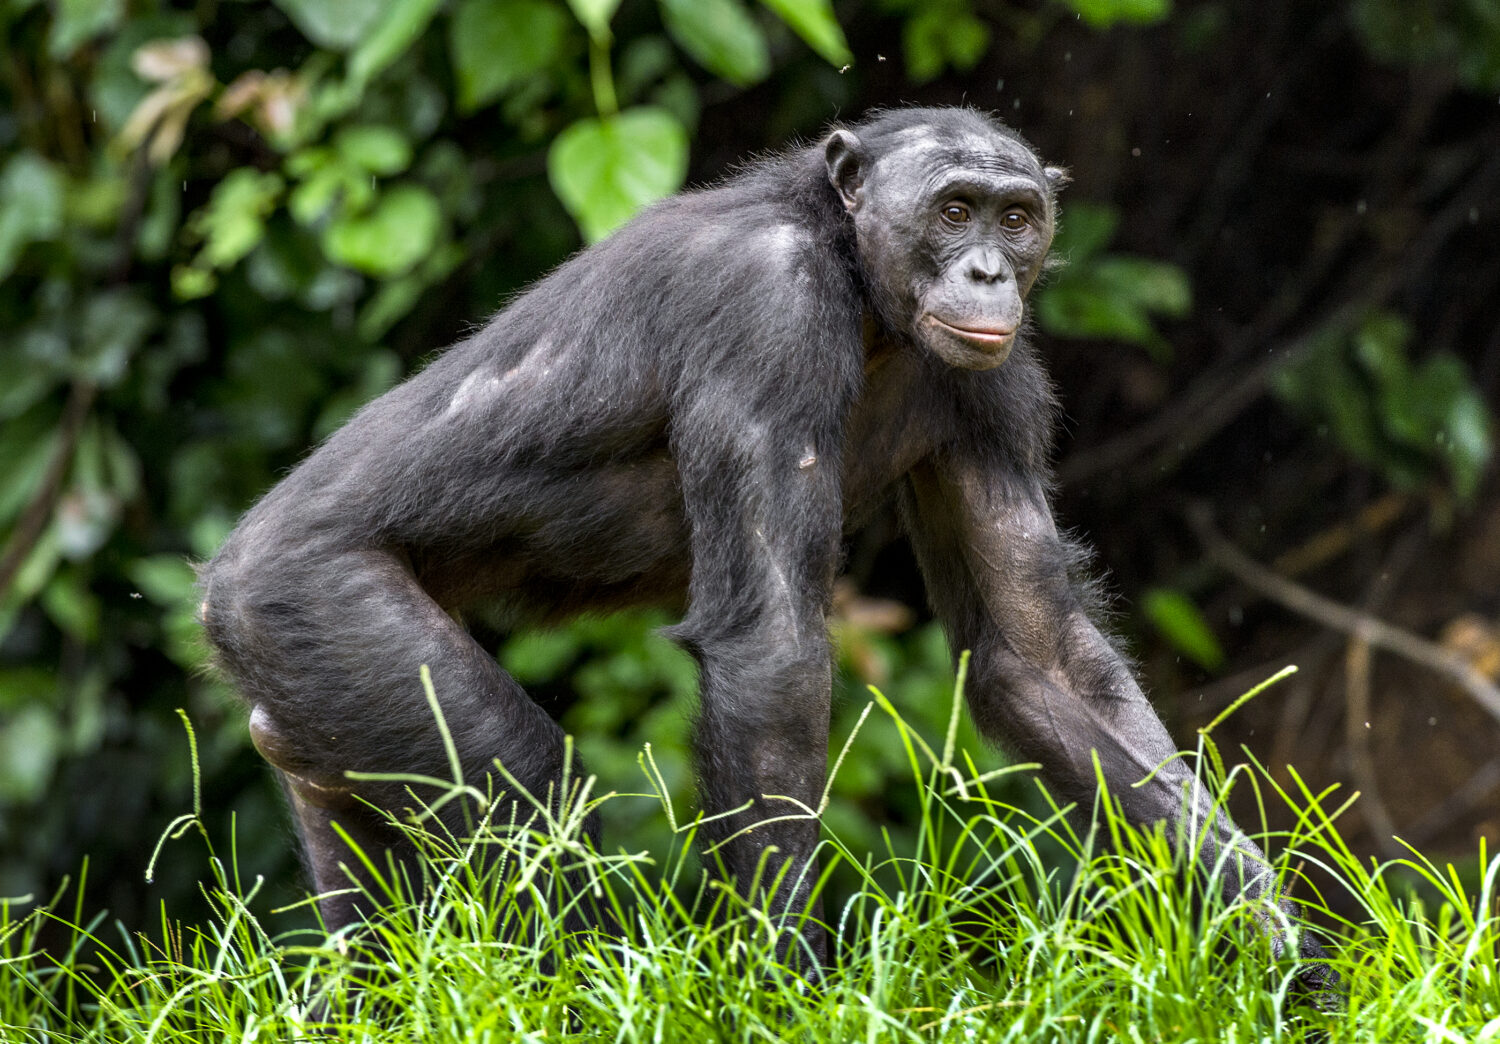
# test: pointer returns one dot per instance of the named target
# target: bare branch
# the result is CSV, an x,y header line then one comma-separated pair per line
x,y
1326,611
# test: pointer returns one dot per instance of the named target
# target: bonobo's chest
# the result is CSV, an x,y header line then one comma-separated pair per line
x,y
888,431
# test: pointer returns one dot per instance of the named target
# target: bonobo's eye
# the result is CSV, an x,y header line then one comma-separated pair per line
x,y
956,213
1015,220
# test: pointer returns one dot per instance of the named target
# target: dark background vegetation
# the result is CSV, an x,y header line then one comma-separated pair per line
x,y
225,224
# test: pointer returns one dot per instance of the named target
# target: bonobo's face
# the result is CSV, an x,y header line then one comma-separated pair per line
x,y
953,227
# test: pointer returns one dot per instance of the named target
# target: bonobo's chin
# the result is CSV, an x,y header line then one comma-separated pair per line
x,y
969,348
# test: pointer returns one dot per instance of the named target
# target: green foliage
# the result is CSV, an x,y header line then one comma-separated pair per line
x,y
1101,14
1111,296
497,47
400,229
1461,35
335,24
1174,615
1410,421
31,206
606,169
595,16
721,36
938,36
813,20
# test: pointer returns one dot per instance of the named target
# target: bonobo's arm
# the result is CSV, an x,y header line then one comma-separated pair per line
x,y
757,445
1041,676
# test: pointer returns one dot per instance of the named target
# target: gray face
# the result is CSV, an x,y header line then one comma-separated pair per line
x,y
953,230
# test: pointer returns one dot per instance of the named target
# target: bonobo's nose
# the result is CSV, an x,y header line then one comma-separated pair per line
x,y
987,265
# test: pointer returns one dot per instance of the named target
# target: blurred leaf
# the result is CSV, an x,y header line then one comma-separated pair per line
x,y
31,206
644,61
376,149
943,36
168,580
1174,615
721,36
114,325
1405,420
498,44
23,383
813,20
29,746
1108,295
1083,230
335,24
536,655
1101,14
1462,35
605,170
1151,286
233,221
70,605
399,231
595,15
75,22
402,25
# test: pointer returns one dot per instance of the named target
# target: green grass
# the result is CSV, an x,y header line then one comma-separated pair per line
x,y
970,936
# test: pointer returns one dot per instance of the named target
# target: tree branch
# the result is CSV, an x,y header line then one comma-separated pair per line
x,y
1377,633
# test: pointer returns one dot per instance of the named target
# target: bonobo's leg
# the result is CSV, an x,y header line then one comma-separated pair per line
x,y
761,485
326,646
1043,679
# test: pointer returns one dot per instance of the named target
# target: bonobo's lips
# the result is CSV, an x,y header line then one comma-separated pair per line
x,y
985,338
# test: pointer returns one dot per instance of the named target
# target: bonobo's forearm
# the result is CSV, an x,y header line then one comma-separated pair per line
x,y
1091,704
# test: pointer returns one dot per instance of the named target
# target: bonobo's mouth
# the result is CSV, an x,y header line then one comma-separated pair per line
x,y
992,339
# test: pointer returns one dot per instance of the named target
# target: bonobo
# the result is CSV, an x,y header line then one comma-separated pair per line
x,y
690,413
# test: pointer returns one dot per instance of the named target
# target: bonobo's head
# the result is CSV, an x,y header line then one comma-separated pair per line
x,y
953,214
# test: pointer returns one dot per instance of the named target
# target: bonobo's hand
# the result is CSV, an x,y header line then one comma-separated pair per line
x,y
1315,980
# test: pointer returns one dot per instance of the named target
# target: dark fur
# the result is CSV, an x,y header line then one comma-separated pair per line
x,y
689,414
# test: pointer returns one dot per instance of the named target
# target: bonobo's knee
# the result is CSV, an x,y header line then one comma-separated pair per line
x,y
320,789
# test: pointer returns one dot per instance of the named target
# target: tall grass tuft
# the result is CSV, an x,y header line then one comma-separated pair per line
x,y
997,924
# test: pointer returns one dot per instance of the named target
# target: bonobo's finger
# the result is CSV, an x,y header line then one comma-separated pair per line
x,y
1316,980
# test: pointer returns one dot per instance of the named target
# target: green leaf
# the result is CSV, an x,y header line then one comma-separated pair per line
x,y
813,20
78,21
31,206
1084,230
1182,625
1101,14
595,15
233,221
404,22
399,231
167,580
604,170
1151,286
540,656
30,745
114,325
498,44
1462,37
1407,421
335,24
939,37
721,36
376,149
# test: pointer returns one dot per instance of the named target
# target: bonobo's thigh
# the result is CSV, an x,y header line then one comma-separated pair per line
x,y
327,648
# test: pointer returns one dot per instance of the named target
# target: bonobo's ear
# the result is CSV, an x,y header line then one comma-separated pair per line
x,y
1057,177
846,166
